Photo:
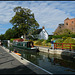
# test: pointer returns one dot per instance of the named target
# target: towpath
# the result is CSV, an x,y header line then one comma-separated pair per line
x,y
10,65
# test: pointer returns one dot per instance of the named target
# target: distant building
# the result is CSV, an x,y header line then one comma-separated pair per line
x,y
39,34
68,24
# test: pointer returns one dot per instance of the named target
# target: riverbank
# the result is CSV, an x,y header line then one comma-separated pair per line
x,y
34,68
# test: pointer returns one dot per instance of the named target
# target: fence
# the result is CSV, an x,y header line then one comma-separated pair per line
x,y
62,46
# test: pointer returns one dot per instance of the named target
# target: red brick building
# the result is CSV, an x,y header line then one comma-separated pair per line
x,y
68,24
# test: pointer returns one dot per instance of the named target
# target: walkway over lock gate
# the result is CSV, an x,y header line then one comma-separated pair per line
x,y
69,46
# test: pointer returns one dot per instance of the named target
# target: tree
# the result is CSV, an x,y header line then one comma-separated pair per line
x,y
9,34
2,37
24,21
12,33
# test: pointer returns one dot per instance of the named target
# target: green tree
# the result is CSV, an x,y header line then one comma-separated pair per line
x,y
9,34
12,33
24,20
2,37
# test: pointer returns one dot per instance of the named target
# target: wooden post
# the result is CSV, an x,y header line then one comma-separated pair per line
x,y
70,46
62,46
54,46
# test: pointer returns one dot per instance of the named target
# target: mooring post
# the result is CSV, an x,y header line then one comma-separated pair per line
x,y
70,46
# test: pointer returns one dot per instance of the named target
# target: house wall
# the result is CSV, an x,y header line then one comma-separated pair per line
x,y
43,35
22,36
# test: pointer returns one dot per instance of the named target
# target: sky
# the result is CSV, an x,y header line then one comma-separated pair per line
x,y
47,13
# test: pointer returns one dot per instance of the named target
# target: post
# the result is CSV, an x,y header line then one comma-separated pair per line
x,y
70,46
62,46
54,45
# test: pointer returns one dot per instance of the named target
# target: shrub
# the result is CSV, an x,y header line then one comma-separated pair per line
x,y
44,43
48,44
34,42
59,41
49,39
64,38
11,40
39,42
69,40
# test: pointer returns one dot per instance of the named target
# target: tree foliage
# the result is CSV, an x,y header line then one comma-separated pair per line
x,y
49,39
24,20
12,33
2,37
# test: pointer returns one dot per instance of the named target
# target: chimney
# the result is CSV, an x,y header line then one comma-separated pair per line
x,y
43,27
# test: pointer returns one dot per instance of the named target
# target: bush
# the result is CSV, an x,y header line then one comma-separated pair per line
x,y
44,43
69,40
48,44
59,41
64,38
49,39
39,42
11,40
34,42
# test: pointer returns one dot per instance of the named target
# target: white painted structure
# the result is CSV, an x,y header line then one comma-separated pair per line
x,y
43,34
22,36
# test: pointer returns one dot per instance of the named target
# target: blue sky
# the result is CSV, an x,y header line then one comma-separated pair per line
x,y
47,13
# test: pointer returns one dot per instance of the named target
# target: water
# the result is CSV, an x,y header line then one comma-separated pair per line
x,y
55,64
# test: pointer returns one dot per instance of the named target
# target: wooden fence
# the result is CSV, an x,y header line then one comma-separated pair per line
x,y
63,46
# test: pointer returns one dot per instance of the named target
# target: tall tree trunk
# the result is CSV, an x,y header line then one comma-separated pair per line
x,y
24,36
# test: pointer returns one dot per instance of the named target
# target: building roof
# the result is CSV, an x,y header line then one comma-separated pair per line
x,y
37,31
18,40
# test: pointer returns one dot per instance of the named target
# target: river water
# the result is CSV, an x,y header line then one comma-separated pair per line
x,y
56,64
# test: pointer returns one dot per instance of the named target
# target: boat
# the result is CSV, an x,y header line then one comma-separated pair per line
x,y
17,53
27,45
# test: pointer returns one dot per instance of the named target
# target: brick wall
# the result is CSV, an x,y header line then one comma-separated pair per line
x,y
68,24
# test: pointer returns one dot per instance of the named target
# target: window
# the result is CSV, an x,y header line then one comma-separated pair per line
x,y
59,26
66,23
72,22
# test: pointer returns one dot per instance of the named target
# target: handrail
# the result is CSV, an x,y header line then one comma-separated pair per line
x,y
62,46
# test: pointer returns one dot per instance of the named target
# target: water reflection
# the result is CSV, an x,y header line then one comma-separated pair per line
x,y
52,60
56,64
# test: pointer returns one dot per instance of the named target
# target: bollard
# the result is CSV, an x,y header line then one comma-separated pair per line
x,y
48,50
21,58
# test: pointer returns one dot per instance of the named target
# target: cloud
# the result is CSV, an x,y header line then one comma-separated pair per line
x,y
3,28
47,13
